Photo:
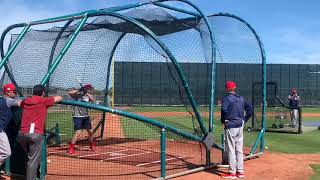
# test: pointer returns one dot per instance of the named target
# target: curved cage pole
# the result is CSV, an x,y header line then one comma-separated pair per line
x,y
264,78
105,101
5,57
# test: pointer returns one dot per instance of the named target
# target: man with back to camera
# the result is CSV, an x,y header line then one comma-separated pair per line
x,y
6,102
32,127
233,119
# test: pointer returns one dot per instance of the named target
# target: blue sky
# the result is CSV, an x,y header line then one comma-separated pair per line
x,y
289,29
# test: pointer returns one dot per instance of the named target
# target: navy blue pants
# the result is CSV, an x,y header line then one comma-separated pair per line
x,y
82,123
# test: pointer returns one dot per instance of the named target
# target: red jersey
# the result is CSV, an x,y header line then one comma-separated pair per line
x,y
34,113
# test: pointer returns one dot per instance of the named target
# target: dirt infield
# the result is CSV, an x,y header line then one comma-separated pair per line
x,y
271,166
116,160
112,127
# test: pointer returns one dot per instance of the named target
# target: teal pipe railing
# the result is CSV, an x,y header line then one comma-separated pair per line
x,y
133,116
259,139
64,50
177,9
89,13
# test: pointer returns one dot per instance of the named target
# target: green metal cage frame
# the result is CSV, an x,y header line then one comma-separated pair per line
x,y
114,12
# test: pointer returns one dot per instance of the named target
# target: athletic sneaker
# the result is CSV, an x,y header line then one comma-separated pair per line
x,y
71,150
229,176
240,174
92,146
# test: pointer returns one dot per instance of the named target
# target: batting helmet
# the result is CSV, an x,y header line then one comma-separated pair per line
x,y
88,87
293,91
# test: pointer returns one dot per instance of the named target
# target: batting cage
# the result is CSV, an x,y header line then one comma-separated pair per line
x,y
156,70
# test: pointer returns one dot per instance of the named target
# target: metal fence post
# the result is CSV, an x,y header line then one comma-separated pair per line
x,y
163,152
43,163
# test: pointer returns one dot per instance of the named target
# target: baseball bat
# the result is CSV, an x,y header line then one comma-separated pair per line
x,y
79,82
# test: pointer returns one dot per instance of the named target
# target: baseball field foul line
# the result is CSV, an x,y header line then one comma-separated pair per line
x,y
110,152
154,162
127,156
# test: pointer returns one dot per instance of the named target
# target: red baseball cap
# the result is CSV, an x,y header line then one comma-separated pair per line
x,y
230,85
9,87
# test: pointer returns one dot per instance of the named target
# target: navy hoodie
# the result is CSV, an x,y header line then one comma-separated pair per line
x,y
232,110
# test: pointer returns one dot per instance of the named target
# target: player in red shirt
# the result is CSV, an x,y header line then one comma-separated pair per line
x,y
32,126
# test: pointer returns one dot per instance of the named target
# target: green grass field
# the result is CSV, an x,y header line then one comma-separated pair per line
x,y
316,169
164,109
64,119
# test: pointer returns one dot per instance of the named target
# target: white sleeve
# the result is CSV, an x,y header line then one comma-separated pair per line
x,y
11,102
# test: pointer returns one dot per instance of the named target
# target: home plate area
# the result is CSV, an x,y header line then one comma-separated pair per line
x,y
124,155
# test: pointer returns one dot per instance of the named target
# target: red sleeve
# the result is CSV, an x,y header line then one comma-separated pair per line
x,y
48,101
22,103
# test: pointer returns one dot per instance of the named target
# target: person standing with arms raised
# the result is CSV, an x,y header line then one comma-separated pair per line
x,y
32,128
